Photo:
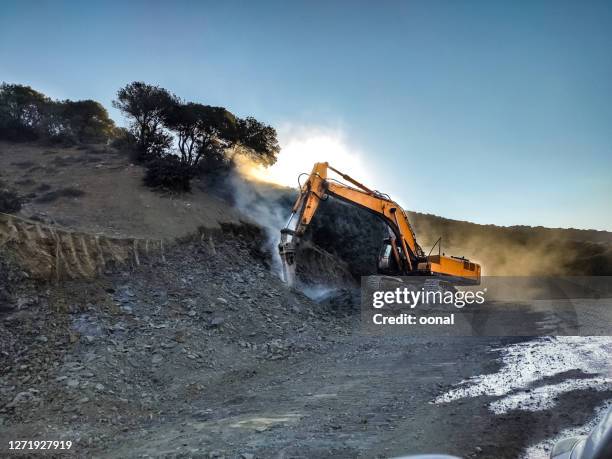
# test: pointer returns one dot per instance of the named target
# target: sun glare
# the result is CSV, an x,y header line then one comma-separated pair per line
x,y
303,147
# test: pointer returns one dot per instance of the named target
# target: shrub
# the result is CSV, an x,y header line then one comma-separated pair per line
x,y
54,195
168,173
10,202
43,187
123,140
61,139
23,164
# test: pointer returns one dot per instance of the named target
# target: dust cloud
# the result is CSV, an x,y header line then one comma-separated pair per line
x,y
269,205
265,203
520,250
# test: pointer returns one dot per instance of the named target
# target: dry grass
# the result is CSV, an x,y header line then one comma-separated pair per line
x,y
115,202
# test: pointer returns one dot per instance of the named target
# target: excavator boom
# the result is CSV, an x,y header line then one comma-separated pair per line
x,y
401,254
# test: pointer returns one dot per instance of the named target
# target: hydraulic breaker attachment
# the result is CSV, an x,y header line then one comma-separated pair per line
x,y
286,249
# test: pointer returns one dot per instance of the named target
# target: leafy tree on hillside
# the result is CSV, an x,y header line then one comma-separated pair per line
x,y
86,120
259,140
26,114
22,111
185,138
146,106
202,131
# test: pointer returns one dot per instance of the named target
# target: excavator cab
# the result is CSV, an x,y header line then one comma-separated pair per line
x,y
387,258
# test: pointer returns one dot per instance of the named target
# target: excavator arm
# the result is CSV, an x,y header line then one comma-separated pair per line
x,y
408,255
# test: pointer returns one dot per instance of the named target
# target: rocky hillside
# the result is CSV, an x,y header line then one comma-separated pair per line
x,y
94,360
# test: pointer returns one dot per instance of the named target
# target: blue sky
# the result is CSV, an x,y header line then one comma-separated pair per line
x,y
493,112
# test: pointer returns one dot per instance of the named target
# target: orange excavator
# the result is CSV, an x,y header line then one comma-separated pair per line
x,y
400,254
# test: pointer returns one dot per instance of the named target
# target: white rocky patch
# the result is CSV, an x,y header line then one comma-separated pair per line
x,y
524,364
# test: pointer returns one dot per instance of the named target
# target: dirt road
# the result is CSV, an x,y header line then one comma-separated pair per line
x,y
362,398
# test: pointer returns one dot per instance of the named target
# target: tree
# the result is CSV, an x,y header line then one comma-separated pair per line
x,y
203,132
86,120
22,110
204,135
259,140
146,106
26,114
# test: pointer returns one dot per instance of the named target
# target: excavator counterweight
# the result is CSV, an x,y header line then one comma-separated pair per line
x,y
400,255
